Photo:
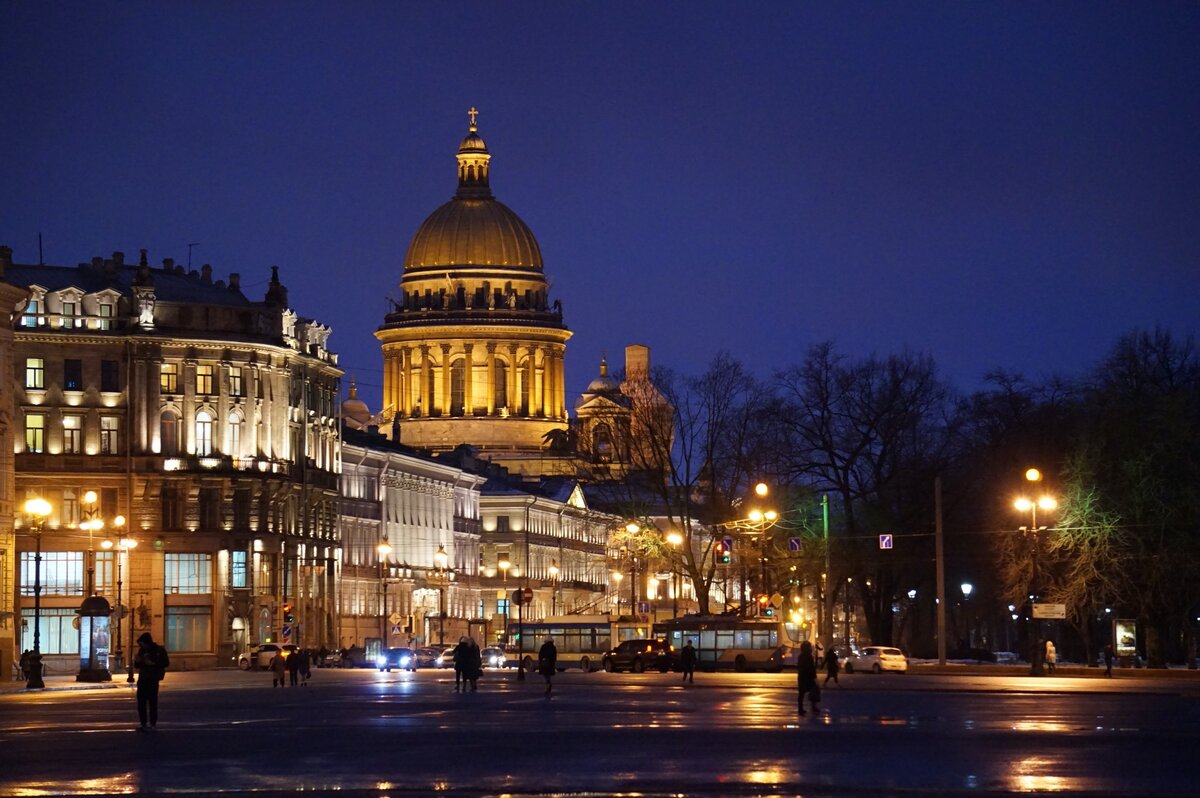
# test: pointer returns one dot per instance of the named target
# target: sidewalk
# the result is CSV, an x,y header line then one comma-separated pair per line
x,y
59,681
960,668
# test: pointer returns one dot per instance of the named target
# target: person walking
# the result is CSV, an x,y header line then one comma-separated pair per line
x,y
687,662
831,667
548,663
1051,656
474,664
279,670
151,662
293,667
305,666
1108,660
461,654
806,679
819,654
24,665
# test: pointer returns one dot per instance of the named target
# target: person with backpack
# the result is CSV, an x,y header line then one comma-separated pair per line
x,y
151,662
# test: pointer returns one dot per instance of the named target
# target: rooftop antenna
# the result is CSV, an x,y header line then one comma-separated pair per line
x,y
41,260
193,244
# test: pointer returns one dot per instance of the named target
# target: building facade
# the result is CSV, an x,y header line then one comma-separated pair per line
x,y
11,298
473,350
203,426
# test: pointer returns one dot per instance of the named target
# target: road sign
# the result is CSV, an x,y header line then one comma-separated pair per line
x,y
286,632
395,628
728,543
394,618
793,544
885,541
527,595
1055,611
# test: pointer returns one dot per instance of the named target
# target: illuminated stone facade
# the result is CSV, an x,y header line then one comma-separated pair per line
x,y
11,297
209,422
473,349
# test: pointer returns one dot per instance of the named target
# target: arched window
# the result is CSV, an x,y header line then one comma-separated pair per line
x,y
168,433
602,448
235,435
431,405
204,429
500,395
458,381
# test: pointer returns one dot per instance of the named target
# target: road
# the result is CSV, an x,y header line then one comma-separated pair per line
x,y
728,734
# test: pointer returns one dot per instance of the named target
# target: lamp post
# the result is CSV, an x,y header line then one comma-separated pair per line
x,y
440,560
967,589
617,576
676,540
1031,506
384,548
124,545
38,510
553,588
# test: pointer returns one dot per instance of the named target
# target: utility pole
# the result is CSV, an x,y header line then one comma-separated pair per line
x,y
822,610
941,570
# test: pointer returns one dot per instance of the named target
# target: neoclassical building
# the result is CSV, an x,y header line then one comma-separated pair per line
x,y
473,349
206,421
11,297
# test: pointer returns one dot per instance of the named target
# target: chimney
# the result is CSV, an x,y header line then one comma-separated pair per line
x,y
637,362
5,259
206,273
119,258
168,265
235,281
142,260
277,294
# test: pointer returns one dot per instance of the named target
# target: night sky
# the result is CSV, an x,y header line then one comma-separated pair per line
x,y
1001,185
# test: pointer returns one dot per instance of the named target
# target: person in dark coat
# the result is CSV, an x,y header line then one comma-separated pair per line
x,y
548,663
461,654
24,665
687,662
278,670
831,667
473,667
293,667
806,678
151,662
1108,660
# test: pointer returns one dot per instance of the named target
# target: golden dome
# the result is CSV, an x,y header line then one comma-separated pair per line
x,y
473,229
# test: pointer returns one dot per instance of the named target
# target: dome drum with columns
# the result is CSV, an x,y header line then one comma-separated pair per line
x,y
473,350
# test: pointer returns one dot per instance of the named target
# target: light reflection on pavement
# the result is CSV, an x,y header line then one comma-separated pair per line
x,y
400,734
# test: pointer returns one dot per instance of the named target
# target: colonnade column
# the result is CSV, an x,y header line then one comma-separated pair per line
x,y
468,379
514,401
426,402
405,399
389,384
547,384
491,379
445,406
531,382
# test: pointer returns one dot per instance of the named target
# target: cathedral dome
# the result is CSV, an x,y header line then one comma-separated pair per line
x,y
473,229
604,384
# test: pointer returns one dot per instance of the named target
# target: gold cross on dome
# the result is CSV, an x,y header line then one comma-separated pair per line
x,y
473,113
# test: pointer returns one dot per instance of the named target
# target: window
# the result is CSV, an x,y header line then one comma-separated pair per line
x,y
35,433
235,435
72,375
72,434
457,387
68,317
235,382
238,568
189,628
168,433
68,513
171,505
204,380
187,573
62,573
501,393
110,376
210,508
35,372
30,319
241,509
502,523
168,378
106,314
204,425
110,428
58,635
104,573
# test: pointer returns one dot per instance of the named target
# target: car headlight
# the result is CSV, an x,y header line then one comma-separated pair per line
x,y
381,661
404,662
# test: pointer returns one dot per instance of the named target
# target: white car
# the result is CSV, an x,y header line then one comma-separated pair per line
x,y
262,655
877,659
445,659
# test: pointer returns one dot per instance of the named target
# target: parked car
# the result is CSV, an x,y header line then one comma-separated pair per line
x,y
445,659
493,658
262,655
638,655
404,659
427,656
356,657
877,659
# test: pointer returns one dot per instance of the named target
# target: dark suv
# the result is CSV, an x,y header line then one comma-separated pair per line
x,y
638,655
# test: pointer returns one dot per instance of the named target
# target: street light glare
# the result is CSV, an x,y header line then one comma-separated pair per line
x,y
756,516
771,515
1033,475
633,528
674,538
1023,504
37,506
1047,503
761,489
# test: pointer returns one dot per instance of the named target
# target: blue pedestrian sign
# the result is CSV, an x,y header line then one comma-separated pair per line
x,y
885,541
793,544
285,632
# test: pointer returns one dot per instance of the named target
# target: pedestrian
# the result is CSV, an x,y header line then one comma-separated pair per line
x,y
461,655
473,667
1108,660
1051,656
305,666
25,665
687,662
279,670
831,667
806,678
548,663
819,654
292,661
151,662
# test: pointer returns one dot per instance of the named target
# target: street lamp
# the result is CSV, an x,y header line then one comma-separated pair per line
x,y
1024,504
126,545
676,540
504,564
554,588
617,576
440,560
38,510
384,548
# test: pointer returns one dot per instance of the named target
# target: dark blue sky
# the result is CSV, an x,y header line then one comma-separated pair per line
x,y
998,184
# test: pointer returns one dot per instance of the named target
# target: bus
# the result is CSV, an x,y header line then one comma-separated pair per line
x,y
743,644
581,640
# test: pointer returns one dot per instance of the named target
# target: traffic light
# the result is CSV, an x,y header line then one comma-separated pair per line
x,y
288,617
764,606
724,551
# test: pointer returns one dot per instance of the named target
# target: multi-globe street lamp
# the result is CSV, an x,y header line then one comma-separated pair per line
x,y
1025,504
37,510
441,577
553,587
384,549
124,545
675,540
